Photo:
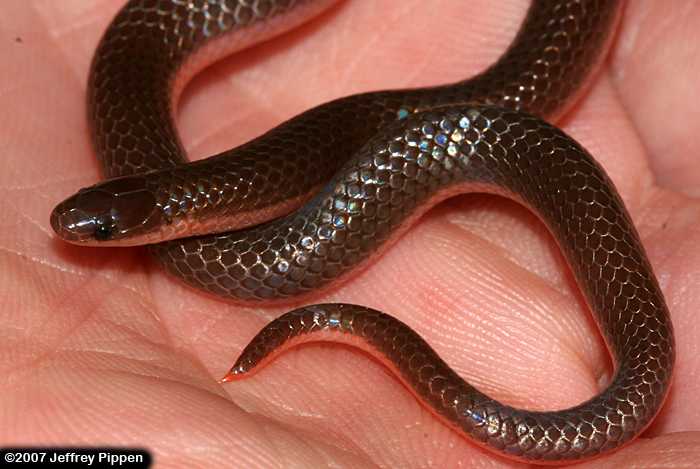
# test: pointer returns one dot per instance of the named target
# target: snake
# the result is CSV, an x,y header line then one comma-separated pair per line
x,y
297,209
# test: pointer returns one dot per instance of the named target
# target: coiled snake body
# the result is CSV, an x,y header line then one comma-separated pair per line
x,y
389,156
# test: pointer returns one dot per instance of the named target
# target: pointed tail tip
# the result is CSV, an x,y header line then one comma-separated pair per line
x,y
230,376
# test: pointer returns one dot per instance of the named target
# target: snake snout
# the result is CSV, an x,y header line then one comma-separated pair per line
x,y
118,210
83,217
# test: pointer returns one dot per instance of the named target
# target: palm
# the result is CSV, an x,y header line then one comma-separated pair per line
x,y
101,347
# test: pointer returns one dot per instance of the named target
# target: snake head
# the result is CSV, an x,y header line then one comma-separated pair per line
x,y
119,211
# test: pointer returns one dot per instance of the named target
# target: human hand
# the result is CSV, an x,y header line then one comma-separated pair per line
x,y
101,347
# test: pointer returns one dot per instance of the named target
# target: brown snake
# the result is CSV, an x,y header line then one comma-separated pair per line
x,y
389,156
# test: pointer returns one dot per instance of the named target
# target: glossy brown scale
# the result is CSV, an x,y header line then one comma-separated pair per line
x,y
362,168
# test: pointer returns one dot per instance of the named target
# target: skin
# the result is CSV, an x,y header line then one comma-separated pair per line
x,y
101,347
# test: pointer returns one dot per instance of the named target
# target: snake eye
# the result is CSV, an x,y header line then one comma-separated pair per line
x,y
104,229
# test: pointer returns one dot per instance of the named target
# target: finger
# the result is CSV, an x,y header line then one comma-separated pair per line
x,y
655,69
